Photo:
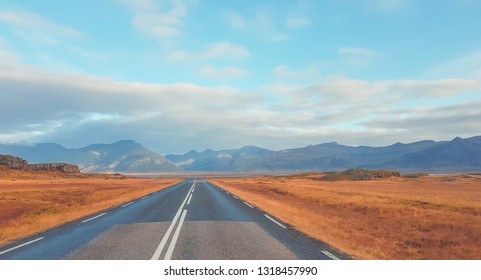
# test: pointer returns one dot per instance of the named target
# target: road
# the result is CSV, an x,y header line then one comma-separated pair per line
x,y
192,220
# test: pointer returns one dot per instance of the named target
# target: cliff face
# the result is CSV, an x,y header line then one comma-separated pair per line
x,y
64,167
12,162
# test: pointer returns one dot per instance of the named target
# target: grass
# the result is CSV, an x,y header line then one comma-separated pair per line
x,y
359,175
430,217
29,206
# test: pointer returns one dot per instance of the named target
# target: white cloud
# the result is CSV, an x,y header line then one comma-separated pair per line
x,y
227,72
388,5
37,23
360,52
260,24
283,72
93,56
157,22
224,50
466,66
139,5
235,20
295,22
214,51
157,25
77,110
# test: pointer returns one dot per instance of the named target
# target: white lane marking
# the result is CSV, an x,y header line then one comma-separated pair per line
x,y
144,197
170,250
125,205
330,255
248,205
190,197
100,215
161,246
279,224
21,245
235,197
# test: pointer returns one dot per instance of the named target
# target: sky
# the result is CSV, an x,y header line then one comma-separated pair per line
x,y
187,74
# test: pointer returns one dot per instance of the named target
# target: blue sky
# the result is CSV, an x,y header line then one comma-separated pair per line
x,y
181,75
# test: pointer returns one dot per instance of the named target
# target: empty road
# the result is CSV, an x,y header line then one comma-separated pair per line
x,y
192,220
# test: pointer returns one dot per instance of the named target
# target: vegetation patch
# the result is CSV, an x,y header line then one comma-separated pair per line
x,y
359,175
430,217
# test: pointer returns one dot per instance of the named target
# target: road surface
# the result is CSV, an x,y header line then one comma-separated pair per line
x,y
192,220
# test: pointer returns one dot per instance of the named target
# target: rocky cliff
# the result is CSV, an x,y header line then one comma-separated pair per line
x,y
12,162
64,167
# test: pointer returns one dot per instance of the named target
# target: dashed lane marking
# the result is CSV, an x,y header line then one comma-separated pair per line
x,y
279,224
248,205
330,255
21,245
100,215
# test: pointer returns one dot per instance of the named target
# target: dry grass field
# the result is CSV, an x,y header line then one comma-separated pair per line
x,y
29,205
431,217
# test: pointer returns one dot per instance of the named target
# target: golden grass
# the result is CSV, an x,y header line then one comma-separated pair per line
x,y
29,206
398,218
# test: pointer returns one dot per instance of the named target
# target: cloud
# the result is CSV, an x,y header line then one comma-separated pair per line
x,y
214,51
465,66
261,24
39,24
227,72
432,123
76,110
157,22
235,20
139,5
338,107
385,7
224,49
8,57
283,72
295,22
359,52
67,106
388,5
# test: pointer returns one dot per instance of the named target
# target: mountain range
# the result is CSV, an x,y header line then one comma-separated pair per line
x,y
122,156
455,156
458,155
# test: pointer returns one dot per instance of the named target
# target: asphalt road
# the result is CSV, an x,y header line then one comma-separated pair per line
x,y
192,220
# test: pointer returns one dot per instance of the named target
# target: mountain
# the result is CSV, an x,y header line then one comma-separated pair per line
x,y
458,155
223,160
121,156
455,156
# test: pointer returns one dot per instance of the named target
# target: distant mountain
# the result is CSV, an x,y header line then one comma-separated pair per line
x,y
223,160
455,156
122,156
458,155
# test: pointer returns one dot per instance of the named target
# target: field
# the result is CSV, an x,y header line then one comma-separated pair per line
x,y
430,217
29,205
